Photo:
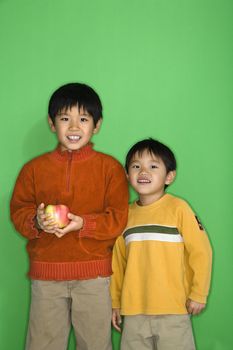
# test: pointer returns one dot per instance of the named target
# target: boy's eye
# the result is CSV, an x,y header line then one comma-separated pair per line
x,y
83,119
154,166
64,119
135,166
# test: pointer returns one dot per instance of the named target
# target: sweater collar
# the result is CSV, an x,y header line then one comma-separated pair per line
x,y
79,155
153,205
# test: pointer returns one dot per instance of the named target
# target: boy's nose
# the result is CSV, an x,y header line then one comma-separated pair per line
x,y
143,171
74,125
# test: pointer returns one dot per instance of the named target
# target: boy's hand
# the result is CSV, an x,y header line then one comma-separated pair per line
x,y
193,307
116,319
76,223
43,221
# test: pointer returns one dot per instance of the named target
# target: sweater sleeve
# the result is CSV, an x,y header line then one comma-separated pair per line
x,y
199,253
111,222
118,267
23,204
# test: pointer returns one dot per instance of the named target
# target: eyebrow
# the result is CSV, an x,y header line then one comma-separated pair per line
x,y
138,160
60,114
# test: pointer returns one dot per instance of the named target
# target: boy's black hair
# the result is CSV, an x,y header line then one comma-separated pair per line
x,y
154,147
75,94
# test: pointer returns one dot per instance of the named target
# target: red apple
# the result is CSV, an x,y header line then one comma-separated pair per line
x,y
58,213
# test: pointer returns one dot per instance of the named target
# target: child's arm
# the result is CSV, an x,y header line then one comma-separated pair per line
x,y
117,279
199,256
23,206
110,222
28,218
116,319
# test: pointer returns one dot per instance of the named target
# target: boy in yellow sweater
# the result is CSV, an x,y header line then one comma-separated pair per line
x,y
162,261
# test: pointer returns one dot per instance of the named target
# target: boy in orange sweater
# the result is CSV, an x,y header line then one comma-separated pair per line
x,y
162,261
70,267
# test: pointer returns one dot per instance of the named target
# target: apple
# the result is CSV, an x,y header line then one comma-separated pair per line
x,y
58,213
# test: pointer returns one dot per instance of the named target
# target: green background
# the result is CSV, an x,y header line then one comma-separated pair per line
x,y
163,68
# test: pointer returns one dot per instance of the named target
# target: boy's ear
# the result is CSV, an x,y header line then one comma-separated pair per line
x,y
97,127
51,125
170,177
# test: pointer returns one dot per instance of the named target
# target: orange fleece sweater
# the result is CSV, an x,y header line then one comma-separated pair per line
x,y
93,185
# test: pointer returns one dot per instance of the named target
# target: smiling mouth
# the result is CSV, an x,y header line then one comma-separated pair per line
x,y
73,138
143,181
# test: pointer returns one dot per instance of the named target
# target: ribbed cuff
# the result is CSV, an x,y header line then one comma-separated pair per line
x,y
89,225
116,304
198,298
34,232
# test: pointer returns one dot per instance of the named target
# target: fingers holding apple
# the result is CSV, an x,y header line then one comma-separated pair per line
x,y
75,224
43,221
40,216
57,219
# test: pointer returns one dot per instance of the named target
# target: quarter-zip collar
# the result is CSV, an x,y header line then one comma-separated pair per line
x,y
79,155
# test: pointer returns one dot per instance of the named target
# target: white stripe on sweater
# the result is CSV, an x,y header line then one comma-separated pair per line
x,y
162,237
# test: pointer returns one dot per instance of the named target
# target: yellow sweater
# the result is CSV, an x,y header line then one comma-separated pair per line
x,y
162,258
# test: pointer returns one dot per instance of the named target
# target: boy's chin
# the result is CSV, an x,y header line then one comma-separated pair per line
x,y
72,147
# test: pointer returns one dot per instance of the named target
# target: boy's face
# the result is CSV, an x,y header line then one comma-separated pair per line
x,y
74,128
148,175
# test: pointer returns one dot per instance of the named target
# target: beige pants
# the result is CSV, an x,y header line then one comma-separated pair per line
x,y
55,306
163,332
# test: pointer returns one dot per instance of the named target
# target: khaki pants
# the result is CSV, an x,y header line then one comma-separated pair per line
x,y
55,306
163,332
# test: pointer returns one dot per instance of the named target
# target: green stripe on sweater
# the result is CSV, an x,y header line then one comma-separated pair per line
x,y
151,229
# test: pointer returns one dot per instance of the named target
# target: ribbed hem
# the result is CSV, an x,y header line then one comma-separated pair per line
x,y
153,311
70,270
